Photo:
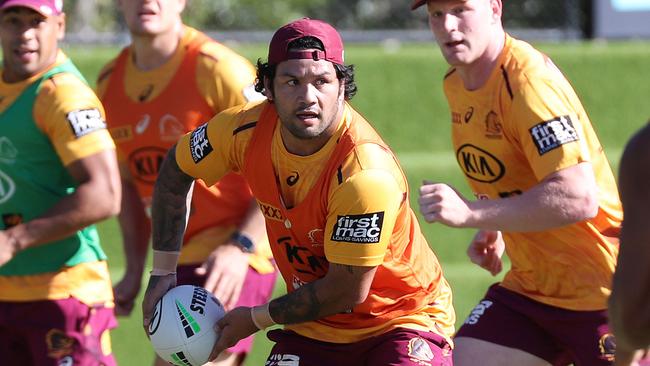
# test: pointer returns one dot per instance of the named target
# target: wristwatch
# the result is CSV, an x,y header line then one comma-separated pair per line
x,y
243,242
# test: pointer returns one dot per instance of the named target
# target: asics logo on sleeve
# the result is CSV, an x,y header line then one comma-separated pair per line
x,y
200,144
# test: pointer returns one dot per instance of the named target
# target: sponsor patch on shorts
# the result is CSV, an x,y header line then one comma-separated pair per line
x,y
200,144
59,344
478,311
85,121
420,352
363,229
277,359
553,133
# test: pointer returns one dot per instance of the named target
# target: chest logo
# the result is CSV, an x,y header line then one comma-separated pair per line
x,y
469,114
293,178
479,165
493,126
8,151
145,163
171,129
7,187
455,117
142,124
271,212
122,133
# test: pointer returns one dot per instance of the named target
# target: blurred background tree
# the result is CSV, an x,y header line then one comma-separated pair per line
x,y
88,16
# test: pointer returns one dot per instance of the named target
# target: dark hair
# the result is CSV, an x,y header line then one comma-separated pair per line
x,y
344,73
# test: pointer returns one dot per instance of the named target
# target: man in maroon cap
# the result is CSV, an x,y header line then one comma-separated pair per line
x,y
58,176
364,286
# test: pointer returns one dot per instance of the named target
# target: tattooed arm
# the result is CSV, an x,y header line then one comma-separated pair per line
x,y
169,216
342,288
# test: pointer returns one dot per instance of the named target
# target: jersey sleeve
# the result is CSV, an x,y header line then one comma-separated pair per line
x,y
72,117
548,125
225,78
209,152
361,218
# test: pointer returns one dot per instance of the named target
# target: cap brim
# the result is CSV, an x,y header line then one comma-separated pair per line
x,y
18,4
417,3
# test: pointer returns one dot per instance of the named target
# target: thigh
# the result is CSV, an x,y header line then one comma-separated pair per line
x,y
13,347
468,350
65,332
586,334
406,347
257,289
497,321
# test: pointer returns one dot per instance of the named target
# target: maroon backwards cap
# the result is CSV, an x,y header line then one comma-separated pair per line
x,y
45,7
306,27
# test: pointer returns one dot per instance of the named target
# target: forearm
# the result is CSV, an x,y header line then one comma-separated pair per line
x,y
550,204
136,229
169,206
343,288
253,224
87,205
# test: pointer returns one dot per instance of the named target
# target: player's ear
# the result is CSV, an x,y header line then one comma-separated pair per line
x,y
60,23
496,8
268,93
181,5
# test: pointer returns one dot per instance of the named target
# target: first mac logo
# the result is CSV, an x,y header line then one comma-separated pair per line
x,y
199,144
363,229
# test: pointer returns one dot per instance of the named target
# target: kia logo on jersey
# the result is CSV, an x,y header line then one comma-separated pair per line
x,y
145,163
363,229
479,165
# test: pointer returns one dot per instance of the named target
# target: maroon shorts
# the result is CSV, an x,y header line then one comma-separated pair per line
x,y
399,347
257,290
559,336
56,333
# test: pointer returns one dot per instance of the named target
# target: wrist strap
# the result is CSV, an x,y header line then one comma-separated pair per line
x,y
262,317
164,262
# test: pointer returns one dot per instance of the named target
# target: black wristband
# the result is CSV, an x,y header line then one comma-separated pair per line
x,y
243,242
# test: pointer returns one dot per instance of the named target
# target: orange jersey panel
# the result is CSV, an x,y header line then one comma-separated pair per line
x,y
353,209
145,128
523,125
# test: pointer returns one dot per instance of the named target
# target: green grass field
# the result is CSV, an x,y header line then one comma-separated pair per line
x,y
400,93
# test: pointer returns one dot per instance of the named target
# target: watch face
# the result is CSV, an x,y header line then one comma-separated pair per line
x,y
244,242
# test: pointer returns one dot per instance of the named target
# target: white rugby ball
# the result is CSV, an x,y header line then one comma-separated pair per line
x,y
182,327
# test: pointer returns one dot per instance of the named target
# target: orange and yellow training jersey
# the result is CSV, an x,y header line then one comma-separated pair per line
x,y
346,204
148,111
525,123
69,114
